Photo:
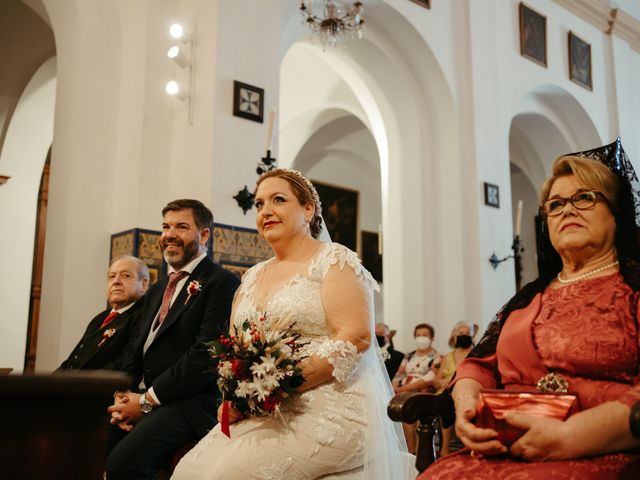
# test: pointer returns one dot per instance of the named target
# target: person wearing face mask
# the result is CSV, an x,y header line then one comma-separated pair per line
x,y
418,369
417,373
461,342
392,357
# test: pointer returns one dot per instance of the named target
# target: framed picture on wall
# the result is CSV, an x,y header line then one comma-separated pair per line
x,y
491,195
371,258
424,3
580,61
533,35
340,213
248,101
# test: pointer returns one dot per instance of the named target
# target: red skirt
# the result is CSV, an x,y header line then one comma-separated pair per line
x,y
461,465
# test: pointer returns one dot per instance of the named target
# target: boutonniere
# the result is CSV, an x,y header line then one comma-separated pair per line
x,y
106,335
384,352
193,290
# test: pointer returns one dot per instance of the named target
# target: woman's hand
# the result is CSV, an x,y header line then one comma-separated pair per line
x,y
234,415
480,440
544,438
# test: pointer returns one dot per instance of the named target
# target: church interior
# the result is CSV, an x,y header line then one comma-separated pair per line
x,y
427,127
430,130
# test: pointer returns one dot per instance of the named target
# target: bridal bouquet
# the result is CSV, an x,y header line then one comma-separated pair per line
x,y
258,366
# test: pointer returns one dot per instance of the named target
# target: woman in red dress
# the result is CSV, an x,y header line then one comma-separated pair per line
x,y
577,321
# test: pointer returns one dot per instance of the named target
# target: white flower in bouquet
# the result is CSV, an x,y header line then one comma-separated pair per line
x,y
225,370
267,365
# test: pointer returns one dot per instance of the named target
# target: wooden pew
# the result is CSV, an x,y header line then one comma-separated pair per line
x,y
55,426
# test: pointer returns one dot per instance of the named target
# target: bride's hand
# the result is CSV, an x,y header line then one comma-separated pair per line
x,y
234,415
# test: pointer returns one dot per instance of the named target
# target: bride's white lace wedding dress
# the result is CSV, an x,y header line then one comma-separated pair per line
x,y
336,430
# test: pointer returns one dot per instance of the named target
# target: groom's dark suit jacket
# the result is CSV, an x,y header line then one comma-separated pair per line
x,y
95,351
177,364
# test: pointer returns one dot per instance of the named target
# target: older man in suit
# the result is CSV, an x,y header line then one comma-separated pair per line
x,y
392,357
173,398
103,344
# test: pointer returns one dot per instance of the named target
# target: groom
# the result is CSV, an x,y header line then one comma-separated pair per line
x,y
172,400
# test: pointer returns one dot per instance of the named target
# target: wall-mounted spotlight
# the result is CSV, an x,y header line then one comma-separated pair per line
x,y
179,32
180,55
176,89
183,53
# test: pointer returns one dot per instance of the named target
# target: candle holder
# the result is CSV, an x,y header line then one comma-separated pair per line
x,y
266,163
517,248
244,197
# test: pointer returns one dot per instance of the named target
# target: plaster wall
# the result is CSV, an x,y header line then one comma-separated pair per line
x,y
122,148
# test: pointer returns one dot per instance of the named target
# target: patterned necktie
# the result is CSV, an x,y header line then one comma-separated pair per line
x,y
108,319
174,278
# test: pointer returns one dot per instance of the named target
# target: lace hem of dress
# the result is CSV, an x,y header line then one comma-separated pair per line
x,y
342,355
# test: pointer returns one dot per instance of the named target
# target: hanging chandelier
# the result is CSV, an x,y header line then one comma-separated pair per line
x,y
336,24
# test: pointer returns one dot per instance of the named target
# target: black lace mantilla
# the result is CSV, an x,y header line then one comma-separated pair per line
x,y
549,263
614,157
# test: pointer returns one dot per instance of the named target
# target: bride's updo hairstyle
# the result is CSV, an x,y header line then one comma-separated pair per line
x,y
304,191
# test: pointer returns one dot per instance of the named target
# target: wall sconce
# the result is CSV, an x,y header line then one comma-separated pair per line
x,y
183,54
517,248
244,197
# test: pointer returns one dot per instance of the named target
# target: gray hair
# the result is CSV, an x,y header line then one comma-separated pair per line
x,y
143,270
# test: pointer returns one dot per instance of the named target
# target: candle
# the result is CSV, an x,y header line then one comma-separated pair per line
x,y
519,218
272,115
379,239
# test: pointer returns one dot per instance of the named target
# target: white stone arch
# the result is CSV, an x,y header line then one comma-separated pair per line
x,y
27,142
408,107
308,121
555,122
547,122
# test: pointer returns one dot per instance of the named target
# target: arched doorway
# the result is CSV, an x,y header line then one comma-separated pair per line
x,y
382,104
549,123
26,146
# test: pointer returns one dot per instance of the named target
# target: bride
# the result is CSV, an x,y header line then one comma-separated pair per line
x,y
337,426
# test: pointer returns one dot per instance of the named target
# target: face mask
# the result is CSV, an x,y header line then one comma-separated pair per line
x,y
380,340
463,341
423,343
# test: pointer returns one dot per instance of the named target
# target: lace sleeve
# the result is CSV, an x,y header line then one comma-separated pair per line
x,y
343,357
340,255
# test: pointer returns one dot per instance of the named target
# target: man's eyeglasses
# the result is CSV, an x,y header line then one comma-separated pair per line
x,y
581,200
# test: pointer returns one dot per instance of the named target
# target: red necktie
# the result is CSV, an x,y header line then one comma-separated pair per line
x,y
174,278
110,317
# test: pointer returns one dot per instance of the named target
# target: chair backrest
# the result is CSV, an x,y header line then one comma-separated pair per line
x,y
425,408
55,426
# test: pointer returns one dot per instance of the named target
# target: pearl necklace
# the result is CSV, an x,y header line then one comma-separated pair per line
x,y
588,274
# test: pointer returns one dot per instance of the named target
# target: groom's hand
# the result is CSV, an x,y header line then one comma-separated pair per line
x,y
125,411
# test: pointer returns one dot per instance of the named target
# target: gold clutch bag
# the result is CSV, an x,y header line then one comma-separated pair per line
x,y
493,404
